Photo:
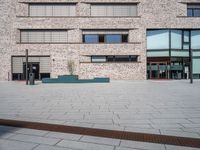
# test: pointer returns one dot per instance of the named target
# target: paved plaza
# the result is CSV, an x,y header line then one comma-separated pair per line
x,y
157,107
27,139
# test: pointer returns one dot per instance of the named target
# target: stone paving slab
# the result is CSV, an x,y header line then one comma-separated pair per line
x,y
142,145
153,106
84,145
15,145
36,141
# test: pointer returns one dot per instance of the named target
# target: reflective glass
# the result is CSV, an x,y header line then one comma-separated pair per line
x,y
158,39
186,36
176,39
196,65
195,39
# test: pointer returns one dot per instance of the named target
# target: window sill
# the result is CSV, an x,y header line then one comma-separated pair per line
x,y
78,16
86,43
110,62
188,16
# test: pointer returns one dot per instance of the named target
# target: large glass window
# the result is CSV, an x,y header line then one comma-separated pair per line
x,y
176,39
44,36
113,10
158,39
193,10
52,10
195,39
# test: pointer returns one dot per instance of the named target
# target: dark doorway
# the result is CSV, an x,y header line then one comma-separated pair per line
x,y
33,67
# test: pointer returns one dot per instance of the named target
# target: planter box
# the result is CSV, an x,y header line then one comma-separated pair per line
x,y
74,79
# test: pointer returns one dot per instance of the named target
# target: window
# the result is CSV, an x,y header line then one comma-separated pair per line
x,y
195,39
43,36
186,36
90,38
193,10
105,38
98,58
114,58
122,58
113,10
113,38
158,39
52,10
176,39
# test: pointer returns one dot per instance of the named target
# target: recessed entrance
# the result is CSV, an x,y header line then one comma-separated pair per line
x,y
32,68
158,70
167,68
39,65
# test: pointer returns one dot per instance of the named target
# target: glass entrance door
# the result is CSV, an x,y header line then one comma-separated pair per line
x,y
158,70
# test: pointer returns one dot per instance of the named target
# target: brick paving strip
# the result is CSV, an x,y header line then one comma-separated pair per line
x,y
142,137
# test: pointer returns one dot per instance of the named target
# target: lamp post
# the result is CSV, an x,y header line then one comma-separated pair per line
x,y
26,66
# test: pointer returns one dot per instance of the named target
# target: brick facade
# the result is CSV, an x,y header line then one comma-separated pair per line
x,y
151,14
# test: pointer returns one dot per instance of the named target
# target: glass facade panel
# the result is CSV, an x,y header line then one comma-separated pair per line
x,y
195,39
158,39
186,36
158,53
196,65
186,46
180,53
91,38
176,39
113,38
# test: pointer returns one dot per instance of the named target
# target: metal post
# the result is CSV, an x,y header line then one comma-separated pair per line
x,y
8,76
26,66
191,59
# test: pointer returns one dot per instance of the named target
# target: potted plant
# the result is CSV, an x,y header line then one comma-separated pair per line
x,y
71,69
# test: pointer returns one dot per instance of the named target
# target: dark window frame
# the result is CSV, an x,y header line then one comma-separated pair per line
x,y
192,12
103,36
113,58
